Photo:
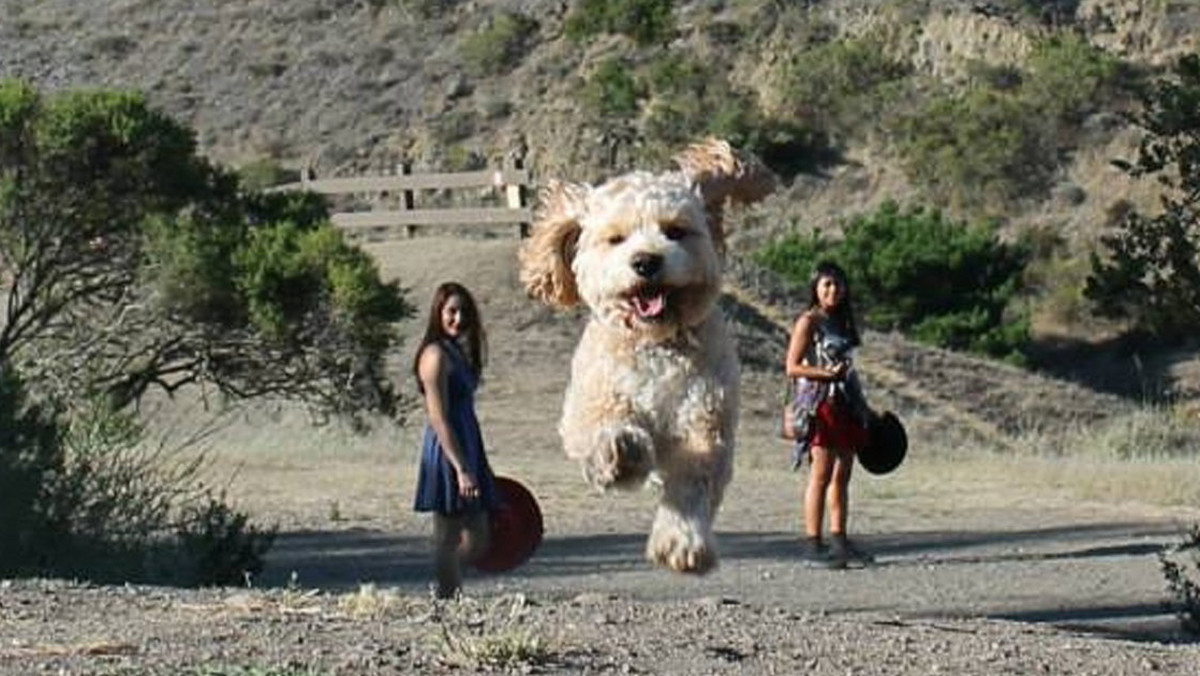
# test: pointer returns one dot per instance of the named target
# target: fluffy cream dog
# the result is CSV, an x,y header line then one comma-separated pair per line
x,y
654,380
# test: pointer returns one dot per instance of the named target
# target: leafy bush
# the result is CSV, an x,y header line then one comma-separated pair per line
x,y
84,494
218,546
1068,77
265,173
1149,272
135,241
946,283
981,150
422,9
689,99
611,91
1184,585
646,22
30,454
839,86
498,46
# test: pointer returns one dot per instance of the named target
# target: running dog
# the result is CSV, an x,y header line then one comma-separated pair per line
x,y
654,380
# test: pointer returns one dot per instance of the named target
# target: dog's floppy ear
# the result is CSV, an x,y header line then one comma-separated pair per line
x,y
719,174
546,257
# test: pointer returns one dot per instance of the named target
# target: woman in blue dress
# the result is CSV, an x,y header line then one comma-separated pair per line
x,y
455,482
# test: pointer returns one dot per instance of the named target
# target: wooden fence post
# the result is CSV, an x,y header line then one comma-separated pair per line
x,y
515,196
406,197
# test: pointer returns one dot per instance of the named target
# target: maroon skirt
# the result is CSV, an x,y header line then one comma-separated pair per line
x,y
837,428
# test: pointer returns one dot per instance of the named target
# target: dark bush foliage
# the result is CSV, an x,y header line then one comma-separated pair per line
x,y
646,22
499,45
219,546
611,91
1183,580
946,283
1149,272
840,87
1069,78
980,151
83,494
30,454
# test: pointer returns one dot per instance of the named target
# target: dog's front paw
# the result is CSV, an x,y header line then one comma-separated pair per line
x,y
680,544
622,458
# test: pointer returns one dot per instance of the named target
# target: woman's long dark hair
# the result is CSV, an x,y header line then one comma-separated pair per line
x,y
472,328
843,314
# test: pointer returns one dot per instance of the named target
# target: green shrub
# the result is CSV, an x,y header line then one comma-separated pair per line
x,y
265,173
1149,270
219,546
461,158
453,126
688,99
104,206
1069,78
611,91
422,9
84,494
839,87
498,46
982,150
30,454
1183,581
646,22
946,283
114,46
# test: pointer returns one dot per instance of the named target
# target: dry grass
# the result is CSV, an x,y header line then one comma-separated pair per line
x,y
495,635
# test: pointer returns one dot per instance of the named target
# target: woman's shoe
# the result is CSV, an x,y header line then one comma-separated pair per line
x,y
816,554
846,554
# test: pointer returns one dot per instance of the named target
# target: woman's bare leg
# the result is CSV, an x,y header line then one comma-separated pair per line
x,y
447,538
476,535
839,492
819,473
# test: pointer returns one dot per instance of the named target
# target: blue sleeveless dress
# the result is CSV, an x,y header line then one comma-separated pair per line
x,y
437,482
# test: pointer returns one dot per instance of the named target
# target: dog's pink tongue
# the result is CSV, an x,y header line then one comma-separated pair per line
x,y
650,306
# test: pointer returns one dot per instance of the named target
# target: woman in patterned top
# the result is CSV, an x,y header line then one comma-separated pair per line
x,y
819,357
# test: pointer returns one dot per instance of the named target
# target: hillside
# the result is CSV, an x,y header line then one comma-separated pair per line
x,y
342,86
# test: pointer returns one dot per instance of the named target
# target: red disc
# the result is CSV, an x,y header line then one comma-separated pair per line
x,y
516,528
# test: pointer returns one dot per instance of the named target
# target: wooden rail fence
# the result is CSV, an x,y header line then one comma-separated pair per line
x,y
387,220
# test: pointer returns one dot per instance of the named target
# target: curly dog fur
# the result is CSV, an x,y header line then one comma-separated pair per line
x,y
654,379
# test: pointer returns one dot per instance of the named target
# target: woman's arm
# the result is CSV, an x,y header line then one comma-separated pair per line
x,y
434,373
802,337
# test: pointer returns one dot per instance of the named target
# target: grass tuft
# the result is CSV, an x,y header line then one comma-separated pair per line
x,y
492,637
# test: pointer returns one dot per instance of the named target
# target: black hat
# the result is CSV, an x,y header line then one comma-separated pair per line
x,y
516,528
887,446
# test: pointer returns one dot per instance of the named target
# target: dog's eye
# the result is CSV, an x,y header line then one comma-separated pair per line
x,y
615,240
675,232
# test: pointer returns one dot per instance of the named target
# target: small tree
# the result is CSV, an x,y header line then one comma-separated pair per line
x,y
1150,273
130,262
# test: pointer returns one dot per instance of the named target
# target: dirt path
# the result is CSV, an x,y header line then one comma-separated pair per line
x,y
979,571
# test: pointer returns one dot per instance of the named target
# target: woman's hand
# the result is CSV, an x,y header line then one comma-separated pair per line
x,y
468,488
838,372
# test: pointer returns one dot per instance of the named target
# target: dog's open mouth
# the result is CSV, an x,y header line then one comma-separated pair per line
x,y
649,303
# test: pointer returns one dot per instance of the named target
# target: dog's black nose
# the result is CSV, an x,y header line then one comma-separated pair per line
x,y
647,265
